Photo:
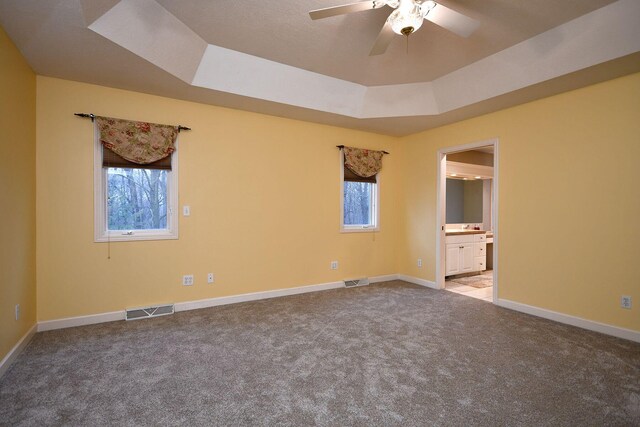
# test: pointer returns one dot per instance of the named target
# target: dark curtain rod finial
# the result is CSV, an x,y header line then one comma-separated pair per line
x,y
342,146
92,117
85,115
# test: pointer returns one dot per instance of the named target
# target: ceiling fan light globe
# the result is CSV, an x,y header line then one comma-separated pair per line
x,y
426,7
400,21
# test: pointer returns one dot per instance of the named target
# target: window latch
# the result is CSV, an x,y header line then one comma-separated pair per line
x,y
128,233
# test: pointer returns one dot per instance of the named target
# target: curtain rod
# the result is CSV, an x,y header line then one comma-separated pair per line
x,y
342,146
92,117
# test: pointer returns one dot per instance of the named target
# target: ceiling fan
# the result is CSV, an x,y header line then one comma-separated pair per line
x,y
405,19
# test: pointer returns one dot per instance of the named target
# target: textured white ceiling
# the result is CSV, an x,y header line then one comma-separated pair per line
x,y
55,39
339,46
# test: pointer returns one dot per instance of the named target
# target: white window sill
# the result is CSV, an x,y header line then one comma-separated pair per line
x,y
136,236
359,229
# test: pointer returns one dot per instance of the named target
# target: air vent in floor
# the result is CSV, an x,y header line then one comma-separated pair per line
x,y
356,282
147,312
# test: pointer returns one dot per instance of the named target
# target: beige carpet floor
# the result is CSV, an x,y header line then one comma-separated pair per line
x,y
390,354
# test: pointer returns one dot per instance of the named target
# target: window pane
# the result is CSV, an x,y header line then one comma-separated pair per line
x,y
136,199
357,203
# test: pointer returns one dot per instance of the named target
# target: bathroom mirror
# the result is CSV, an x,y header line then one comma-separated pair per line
x,y
464,201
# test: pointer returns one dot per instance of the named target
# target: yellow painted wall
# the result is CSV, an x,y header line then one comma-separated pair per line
x,y
17,195
264,194
569,206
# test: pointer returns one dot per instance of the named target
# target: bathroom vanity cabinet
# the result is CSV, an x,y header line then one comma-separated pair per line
x,y
465,253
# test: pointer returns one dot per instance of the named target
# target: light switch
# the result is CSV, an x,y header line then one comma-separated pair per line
x,y
186,210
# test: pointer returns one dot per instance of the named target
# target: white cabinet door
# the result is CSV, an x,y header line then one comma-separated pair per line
x,y
465,254
467,258
452,259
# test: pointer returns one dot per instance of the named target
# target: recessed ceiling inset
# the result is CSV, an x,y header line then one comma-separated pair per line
x,y
276,60
147,29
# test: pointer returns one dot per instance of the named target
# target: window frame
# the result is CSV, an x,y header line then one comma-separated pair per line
x,y
101,234
375,209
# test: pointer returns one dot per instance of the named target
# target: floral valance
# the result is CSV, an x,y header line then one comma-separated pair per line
x,y
364,163
138,142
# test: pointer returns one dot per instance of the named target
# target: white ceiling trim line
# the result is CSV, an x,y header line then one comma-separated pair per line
x,y
235,72
148,30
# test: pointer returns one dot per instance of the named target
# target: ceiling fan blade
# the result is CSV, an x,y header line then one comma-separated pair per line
x,y
451,20
345,8
383,41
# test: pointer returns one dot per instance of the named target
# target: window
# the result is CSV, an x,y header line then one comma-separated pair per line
x,y
134,202
359,197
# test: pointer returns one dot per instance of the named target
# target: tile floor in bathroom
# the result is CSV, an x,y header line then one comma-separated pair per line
x,y
485,294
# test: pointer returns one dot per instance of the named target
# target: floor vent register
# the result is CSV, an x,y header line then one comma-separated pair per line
x,y
356,282
148,312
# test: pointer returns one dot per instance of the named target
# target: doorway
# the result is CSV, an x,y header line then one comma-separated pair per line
x,y
467,243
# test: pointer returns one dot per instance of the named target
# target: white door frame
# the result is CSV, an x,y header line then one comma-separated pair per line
x,y
442,203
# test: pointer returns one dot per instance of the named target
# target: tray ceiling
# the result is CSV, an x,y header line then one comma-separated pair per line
x,y
270,57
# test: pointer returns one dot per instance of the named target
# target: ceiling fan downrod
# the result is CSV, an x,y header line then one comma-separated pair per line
x,y
407,32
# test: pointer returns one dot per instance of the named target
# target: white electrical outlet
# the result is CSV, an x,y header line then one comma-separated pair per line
x,y
17,311
187,280
334,265
210,278
419,262
186,210
625,302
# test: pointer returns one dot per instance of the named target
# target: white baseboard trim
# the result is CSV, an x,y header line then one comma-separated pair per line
x,y
255,296
17,349
194,305
385,278
70,322
591,325
418,281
